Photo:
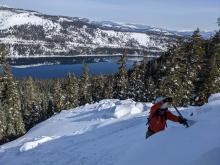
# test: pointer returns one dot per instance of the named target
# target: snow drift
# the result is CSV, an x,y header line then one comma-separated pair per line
x,y
112,132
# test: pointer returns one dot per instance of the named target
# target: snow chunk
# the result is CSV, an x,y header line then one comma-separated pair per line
x,y
128,107
140,106
214,97
106,104
33,144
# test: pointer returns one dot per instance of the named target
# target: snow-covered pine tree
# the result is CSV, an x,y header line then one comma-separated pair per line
x,y
2,112
210,73
108,87
142,80
121,86
97,87
216,63
71,88
31,103
85,86
196,55
175,81
50,109
167,79
149,82
44,98
58,97
46,91
11,101
3,124
133,87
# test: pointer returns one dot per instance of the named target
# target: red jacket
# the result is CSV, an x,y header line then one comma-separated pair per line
x,y
157,122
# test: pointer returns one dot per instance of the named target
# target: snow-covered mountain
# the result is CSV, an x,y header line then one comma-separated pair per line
x,y
112,132
149,29
133,28
32,33
204,34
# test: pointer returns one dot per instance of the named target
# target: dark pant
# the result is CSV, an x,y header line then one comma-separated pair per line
x,y
148,133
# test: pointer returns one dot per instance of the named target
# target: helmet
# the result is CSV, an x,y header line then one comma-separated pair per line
x,y
159,99
164,105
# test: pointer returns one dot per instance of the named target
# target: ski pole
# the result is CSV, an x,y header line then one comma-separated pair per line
x,y
187,125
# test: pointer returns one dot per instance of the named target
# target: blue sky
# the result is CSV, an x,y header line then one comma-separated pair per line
x,y
169,14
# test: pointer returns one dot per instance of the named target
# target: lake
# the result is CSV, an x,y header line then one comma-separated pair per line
x,y
97,66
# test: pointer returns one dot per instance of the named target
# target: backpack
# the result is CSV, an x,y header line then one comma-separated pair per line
x,y
156,114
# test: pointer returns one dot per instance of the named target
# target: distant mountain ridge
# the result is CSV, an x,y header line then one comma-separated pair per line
x,y
145,28
30,33
204,34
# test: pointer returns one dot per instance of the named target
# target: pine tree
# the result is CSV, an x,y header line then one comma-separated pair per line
x,y
174,75
46,98
133,87
218,21
108,92
85,86
3,124
121,78
97,88
210,73
150,83
11,103
196,56
50,109
58,97
142,80
71,92
150,89
31,104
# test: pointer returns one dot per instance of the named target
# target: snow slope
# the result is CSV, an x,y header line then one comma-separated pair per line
x,y
112,132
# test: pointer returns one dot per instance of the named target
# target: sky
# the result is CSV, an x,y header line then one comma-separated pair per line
x,y
168,14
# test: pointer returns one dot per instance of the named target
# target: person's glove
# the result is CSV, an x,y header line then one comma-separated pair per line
x,y
168,99
182,120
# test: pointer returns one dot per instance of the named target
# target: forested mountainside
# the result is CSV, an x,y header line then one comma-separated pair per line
x,y
30,33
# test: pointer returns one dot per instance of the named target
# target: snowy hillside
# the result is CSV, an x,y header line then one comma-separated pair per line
x,y
112,132
33,33
148,29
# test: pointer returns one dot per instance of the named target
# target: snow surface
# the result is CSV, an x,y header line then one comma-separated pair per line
x,y
214,97
10,19
111,132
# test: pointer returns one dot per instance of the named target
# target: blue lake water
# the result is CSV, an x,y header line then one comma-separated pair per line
x,y
55,71
96,66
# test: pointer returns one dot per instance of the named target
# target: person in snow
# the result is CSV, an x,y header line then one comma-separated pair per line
x,y
159,113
